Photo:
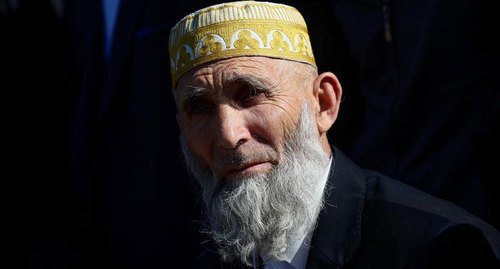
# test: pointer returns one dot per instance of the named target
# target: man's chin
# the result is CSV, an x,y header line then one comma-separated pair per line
x,y
242,173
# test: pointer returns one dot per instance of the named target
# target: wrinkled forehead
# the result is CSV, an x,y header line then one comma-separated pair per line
x,y
217,74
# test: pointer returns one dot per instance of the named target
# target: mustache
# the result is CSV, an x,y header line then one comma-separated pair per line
x,y
243,155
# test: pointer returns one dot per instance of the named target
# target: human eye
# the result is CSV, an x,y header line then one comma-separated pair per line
x,y
250,93
253,92
198,110
196,106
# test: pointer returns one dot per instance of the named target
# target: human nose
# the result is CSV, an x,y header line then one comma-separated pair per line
x,y
232,127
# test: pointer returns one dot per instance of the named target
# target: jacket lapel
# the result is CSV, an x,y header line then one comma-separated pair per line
x,y
338,235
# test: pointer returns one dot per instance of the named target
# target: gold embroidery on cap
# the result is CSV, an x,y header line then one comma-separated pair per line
x,y
185,56
246,41
278,43
210,45
238,29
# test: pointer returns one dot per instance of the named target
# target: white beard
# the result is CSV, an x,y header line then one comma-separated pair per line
x,y
266,212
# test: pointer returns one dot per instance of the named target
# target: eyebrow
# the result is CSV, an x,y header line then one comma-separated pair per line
x,y
193,94
250,80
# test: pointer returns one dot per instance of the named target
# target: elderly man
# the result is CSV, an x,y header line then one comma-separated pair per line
x,y
254,114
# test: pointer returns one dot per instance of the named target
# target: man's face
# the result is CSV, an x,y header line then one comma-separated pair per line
x,y
236,113
251,135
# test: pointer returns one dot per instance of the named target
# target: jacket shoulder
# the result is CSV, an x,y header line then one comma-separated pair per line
x,y
403,222
381,190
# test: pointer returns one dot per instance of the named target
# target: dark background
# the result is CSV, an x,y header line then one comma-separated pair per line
x,y
92,144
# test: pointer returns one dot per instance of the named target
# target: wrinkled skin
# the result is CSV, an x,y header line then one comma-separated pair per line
x,y
236,113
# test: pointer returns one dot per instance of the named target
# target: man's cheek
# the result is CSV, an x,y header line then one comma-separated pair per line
x,y
265,123
198,148
278,125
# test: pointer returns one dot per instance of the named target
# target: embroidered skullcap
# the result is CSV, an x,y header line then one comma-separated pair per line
x,y
245,28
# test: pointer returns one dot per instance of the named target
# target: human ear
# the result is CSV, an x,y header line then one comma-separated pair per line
x,y
327,93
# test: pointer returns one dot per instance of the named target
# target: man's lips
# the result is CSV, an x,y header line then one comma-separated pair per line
x,y
253,167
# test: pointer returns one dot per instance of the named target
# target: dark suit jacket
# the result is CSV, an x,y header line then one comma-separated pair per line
x,y
372,221
426,100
